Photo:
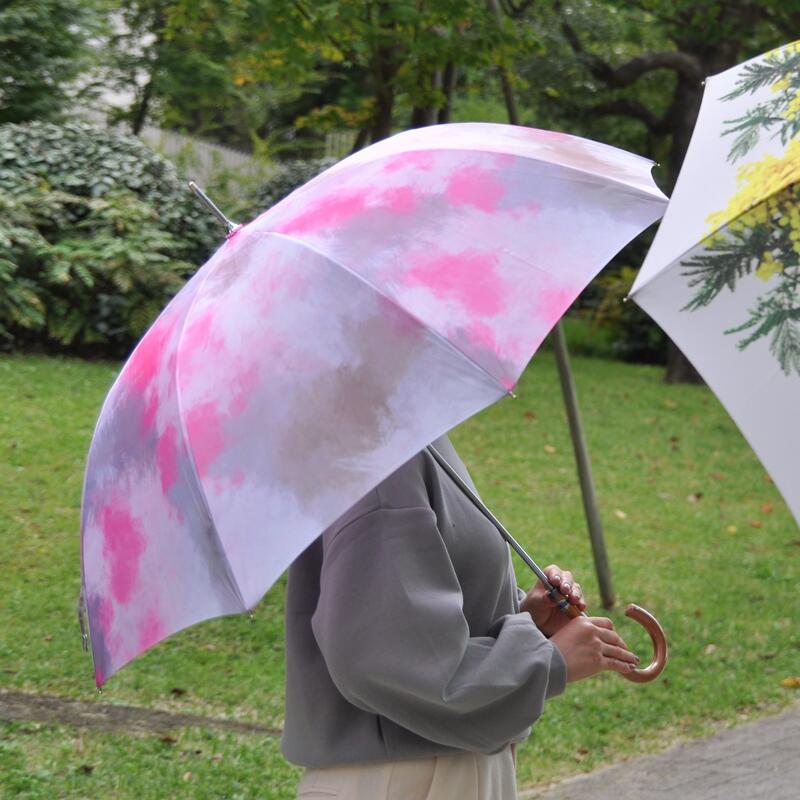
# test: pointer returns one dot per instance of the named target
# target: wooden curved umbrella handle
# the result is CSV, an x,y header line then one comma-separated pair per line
x,y
651,625
660,652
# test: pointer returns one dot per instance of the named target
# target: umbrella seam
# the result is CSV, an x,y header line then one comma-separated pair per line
x,y
440,337
657,195
202,496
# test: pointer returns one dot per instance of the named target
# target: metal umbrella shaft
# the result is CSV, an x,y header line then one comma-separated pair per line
x,y
634,612
563,603
212,207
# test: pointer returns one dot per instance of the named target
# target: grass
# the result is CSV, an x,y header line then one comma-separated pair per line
x,y
695,531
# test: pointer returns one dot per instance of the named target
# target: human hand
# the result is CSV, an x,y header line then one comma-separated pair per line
x,y
545,612
591,645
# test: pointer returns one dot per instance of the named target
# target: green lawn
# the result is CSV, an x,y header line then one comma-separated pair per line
x,y
695,530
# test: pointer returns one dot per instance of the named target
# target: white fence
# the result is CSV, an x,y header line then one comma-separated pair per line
x,y
205,162
199,160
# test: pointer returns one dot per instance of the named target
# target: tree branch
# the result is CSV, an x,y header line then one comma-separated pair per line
x,y
629,72
624,107
516,10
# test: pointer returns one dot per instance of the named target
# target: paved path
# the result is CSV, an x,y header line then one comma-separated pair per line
x,y
759,759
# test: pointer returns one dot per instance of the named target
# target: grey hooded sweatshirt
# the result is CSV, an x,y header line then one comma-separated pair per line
x,y
403,632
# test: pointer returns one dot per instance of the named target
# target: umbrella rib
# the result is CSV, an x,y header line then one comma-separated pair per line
x,y
705,238
391,300
201,497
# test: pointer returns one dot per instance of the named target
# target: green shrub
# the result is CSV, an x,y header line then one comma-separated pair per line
x,y
96,235
632,335
285,178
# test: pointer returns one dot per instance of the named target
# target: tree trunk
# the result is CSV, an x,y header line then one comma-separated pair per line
x,y
361,140
679,368
683,113
449,86
384,108
426,115
384,67
142,108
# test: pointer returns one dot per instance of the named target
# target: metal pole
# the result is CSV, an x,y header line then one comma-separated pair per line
x,y
584,469
561,601
570,400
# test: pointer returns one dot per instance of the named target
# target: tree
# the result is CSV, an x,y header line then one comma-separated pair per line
x,y
650,73
43,48
281,72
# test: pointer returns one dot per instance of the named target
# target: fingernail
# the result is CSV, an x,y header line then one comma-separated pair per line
x,y
631,667
565,587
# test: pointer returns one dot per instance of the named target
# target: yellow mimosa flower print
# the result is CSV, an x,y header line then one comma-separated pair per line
x,y
758,231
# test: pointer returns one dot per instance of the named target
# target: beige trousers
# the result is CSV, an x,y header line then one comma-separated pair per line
x,y
465,776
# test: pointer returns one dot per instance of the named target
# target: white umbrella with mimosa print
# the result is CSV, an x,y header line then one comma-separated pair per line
x,y
722,277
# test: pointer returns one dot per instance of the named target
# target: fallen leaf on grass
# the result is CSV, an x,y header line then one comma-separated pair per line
x,y
177,691
791,683
767,656
711,648
167,739
581,753
694,497
187,776
549,449
530,415
618,512
767,478
766,508
717,476
756,523
731,529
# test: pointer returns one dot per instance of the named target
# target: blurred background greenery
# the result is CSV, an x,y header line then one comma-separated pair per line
x,y
107,107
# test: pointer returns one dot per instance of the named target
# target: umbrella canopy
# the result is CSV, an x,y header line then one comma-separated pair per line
x,y
321,347
722,277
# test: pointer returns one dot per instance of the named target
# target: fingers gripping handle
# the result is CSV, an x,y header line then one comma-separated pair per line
x,y
660,652
636,613
647,621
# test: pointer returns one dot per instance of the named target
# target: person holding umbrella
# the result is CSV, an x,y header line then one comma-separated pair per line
x,y
414,662
321,347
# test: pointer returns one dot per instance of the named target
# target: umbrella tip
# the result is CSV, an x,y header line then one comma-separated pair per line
x,y
212,207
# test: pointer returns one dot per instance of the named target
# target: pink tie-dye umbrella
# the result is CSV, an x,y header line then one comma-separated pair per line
x,y
321,347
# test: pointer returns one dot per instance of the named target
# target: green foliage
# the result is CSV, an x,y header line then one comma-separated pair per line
x,y
43,47
633,336
286,177
96,235
652,447
285,71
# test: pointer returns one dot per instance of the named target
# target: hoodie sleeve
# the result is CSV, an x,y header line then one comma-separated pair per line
x,y
391,628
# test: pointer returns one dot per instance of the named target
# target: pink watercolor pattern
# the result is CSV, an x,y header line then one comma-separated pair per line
x,y
461,244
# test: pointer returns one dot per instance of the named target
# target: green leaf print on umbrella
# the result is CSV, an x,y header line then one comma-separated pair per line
x,y
780,70
759,230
